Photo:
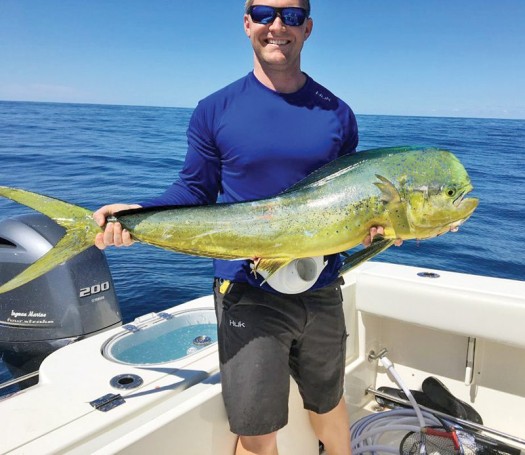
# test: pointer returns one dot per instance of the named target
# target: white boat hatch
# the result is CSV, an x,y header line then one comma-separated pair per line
x,y
164,339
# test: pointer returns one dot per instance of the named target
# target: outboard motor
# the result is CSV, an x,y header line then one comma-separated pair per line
x,y
70,302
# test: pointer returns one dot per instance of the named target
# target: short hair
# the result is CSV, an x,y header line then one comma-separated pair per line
x,y
306,5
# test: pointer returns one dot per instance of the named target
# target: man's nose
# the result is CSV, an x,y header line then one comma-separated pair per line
x,y
277,24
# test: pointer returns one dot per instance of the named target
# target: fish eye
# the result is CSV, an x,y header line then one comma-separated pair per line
x,y
450,192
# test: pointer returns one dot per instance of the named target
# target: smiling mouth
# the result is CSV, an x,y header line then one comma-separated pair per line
x,y
277,42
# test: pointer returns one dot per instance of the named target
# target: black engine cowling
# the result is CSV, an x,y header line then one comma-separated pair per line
x,y
70,302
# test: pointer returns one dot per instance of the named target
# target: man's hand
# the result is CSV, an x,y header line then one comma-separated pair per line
x,y
378,230
113,233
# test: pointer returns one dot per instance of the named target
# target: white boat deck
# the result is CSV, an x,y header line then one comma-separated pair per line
x,y
426,324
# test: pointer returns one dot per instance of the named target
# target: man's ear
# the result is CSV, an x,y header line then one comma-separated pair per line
x,y
309,28
247,25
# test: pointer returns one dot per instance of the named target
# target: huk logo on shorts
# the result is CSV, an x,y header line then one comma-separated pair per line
x,y
237,324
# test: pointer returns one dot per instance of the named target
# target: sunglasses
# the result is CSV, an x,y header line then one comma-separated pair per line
x,y
291,16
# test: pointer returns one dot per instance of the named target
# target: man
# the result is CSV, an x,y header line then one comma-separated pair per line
x,y
251,140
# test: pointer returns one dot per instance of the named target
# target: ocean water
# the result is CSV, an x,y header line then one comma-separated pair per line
x,y
91,155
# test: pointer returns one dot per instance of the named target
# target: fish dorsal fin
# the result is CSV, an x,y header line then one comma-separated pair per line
x,y
389,192
326,173
344,164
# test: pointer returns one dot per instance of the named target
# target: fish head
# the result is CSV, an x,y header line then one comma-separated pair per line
x,y
436,200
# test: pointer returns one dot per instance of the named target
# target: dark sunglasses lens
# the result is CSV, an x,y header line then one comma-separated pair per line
x,y
262,14
293,16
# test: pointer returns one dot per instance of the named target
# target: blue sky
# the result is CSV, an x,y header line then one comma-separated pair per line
x,y
406,57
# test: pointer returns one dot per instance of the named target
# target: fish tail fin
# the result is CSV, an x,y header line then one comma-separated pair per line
x,y
77,221
63,213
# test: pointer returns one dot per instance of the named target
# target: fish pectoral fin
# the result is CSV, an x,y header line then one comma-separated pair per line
x,y
73,243
270,266
353,260
389,192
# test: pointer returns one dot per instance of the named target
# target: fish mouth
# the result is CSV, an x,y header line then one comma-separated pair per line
x,y
461,194
454,227
465,206
459,199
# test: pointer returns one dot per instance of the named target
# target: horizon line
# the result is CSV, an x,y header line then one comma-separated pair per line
x,y
84,103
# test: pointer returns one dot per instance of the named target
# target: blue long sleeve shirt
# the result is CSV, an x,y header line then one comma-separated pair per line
x,y
248,142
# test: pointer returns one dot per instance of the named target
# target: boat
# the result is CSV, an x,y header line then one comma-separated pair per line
x,y
153,385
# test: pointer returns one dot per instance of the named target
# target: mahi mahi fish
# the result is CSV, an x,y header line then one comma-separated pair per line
x,y
414,193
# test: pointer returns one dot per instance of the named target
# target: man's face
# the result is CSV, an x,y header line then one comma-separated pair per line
x,y
277,45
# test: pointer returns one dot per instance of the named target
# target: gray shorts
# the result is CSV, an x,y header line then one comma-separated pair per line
x,y
265,337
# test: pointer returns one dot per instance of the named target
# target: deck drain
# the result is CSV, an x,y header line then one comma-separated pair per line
x,y
428,275
126,381
202,340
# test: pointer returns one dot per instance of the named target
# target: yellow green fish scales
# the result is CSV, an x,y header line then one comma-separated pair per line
x,y
414,193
